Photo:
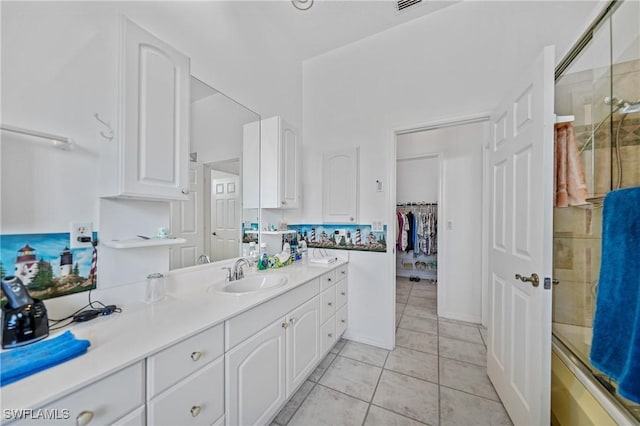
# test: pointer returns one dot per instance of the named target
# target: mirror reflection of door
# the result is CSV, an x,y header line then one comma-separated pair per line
x,y
187,221
225,216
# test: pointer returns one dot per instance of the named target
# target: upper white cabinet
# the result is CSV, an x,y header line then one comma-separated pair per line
x,y
340,186
150,157
279,163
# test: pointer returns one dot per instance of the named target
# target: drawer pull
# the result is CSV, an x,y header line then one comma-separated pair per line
x,y
343,272
292,320
285,324
330,335
195,410
329,279
330,304
343,293
195,356
84,418
343,321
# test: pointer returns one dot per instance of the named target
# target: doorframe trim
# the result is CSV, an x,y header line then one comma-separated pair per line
x,y
392,135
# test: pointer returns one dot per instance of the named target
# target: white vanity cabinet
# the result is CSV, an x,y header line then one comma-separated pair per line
x,y
149,157
185,383
303,343
279,163
333,306
340,186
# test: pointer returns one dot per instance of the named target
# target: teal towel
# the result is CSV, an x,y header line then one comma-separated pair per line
x,y
18,363
615,348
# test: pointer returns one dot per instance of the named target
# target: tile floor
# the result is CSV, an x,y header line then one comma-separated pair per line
x,y
435,376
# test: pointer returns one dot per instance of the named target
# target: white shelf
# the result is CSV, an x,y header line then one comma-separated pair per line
x,y
138,243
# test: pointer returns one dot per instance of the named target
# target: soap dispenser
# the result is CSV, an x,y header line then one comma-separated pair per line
x,y
263,262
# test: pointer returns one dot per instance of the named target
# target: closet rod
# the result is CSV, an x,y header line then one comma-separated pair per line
x,y
421,203
61,142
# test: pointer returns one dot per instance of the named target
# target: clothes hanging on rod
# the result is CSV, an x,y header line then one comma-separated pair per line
x,y
417,228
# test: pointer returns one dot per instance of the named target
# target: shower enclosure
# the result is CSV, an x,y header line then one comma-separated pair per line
x,y
601,90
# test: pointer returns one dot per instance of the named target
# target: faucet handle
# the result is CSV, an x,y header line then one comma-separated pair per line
x,y
228,277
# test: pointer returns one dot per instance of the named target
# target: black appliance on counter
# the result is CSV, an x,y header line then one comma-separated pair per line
x,y
24,319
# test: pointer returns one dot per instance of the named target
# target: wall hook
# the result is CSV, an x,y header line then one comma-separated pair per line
x,y
109,134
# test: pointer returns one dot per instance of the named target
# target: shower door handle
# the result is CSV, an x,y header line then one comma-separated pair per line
x,y
533,279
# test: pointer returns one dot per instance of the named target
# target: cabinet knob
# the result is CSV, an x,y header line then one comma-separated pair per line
x,y
343,293
343,321
285,324
195,410
330,304
185,191
283,202
351,219
292,320
330,335
196,355
84,418
329,279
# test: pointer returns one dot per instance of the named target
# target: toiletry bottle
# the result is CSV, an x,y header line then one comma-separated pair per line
x,y
263,263
253,255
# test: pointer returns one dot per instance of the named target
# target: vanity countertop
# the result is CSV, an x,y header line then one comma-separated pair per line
x,y
140,330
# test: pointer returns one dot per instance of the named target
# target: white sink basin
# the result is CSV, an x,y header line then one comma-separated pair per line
x,y
251,284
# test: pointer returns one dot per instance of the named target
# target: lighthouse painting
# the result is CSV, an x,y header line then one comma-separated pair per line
x,y
45,264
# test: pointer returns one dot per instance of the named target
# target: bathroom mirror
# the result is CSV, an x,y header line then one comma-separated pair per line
x,y
213,220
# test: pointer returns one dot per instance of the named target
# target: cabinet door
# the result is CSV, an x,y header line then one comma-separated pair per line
x,y
303,343
340,186
289,169
255,377
155,131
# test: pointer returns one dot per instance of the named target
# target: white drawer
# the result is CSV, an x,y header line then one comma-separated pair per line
x,y
341,294
327,280
342,320
173,364
341,272
328,335
196,400
134,418
327,304
104,401
245,325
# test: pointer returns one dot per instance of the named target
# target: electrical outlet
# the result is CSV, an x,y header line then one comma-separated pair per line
x,y
377,226
79,231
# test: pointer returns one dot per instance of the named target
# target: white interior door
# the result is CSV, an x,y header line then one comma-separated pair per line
x,y
225,218
520,242
187,222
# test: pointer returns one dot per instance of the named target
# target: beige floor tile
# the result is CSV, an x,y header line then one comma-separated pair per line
x,y
413,363
421,312
380,417
402,296
466,377
294,403
322,368
460,332
324,406
430,293
473,353
423,302
422,325
354,378
459,408
400,307
410,397
485,336
338,346
365,353
415,340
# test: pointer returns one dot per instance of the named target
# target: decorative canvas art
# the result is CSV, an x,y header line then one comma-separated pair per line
x,y
343,237
45,264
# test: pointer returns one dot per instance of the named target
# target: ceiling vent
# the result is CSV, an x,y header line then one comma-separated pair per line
x,y
403,5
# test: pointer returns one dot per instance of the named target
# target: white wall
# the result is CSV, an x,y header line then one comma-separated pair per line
x,y
459,248
453,63
417,179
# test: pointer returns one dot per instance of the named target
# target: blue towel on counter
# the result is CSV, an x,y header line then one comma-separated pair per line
x,y
18,363
615,349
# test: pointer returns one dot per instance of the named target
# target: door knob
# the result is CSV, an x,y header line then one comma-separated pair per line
x,y
533,279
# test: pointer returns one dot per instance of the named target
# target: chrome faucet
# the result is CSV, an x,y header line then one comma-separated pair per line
x,y
238,272
204,259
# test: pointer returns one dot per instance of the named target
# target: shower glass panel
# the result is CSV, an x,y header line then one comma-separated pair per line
x,y
600,89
